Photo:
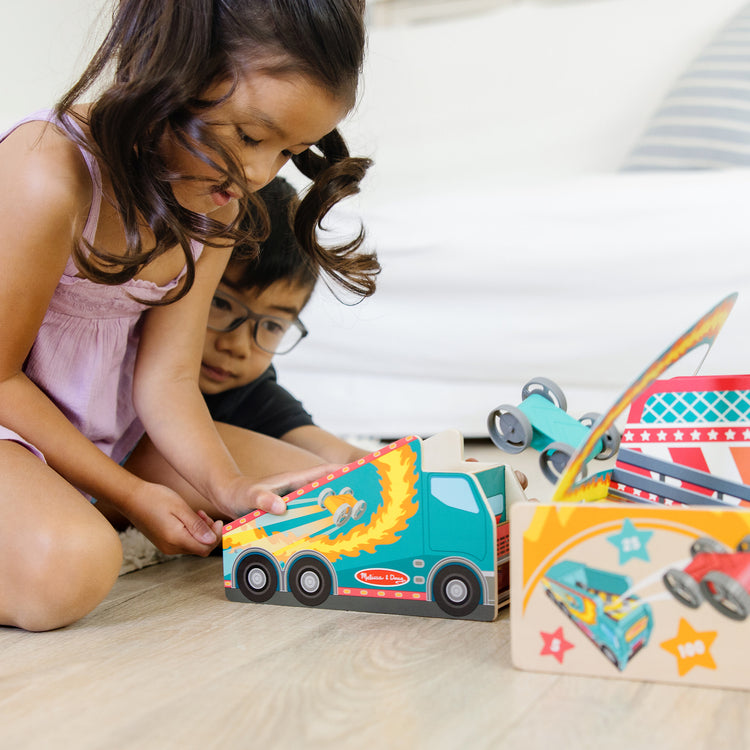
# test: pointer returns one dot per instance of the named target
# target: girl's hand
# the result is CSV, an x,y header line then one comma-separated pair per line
x,y
245,494
169,522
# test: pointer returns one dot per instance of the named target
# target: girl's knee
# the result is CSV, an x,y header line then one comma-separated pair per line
x,y
68,576
59,556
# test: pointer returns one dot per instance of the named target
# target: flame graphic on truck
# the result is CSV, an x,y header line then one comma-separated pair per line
x,y
398,479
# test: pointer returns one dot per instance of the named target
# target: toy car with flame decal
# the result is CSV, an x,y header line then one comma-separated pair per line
x,y
541,422
410,529
716,574
598,602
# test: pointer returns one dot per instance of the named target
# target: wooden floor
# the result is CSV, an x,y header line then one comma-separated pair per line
x,y
167,662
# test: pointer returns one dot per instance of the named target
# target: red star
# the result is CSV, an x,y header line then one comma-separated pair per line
x,y
555,644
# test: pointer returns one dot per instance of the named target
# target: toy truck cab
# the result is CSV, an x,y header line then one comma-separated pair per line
x,y
411,528
599,604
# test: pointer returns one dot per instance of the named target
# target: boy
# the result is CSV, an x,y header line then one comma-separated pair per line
x,y
255,315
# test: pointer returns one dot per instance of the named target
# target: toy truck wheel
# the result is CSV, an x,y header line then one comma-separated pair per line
x,y
547,388
610,439
553,460
560,605
310,581
257,578
610,655
510,429
456,590
744,544
683,587
706,544
726,595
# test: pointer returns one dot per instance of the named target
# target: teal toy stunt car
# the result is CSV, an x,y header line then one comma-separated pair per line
x,y
541,422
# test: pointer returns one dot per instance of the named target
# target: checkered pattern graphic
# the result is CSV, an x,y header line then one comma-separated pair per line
x,y
692,407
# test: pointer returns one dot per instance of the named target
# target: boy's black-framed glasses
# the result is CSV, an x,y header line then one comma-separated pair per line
x,y
271,334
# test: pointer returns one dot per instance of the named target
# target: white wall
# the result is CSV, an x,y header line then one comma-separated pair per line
x,y
44,45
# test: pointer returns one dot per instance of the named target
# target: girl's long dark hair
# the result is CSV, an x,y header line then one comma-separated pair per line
x,y
163,55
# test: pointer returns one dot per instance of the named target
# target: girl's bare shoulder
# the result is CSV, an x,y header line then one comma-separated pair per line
x,y
43,173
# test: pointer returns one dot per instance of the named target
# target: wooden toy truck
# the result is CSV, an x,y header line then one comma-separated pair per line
x,y
410,529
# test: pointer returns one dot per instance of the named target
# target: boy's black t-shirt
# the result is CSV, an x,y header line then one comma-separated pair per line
x,y
263,406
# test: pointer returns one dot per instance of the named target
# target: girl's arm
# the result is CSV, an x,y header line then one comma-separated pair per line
x,y
329,447
176,418
45,194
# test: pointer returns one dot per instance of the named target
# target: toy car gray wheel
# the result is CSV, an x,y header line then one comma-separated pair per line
x,y
589,418
342,513
707,544
610,439
327,492
509,428
744,544
358,510
553,460
683,587
547,388
726,595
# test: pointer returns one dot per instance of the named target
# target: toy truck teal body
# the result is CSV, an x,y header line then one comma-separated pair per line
x,y
411,529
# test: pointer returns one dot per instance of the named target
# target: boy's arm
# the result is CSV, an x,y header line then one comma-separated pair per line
x,y
324,444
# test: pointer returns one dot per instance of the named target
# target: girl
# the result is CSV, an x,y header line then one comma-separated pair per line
x,y
118,218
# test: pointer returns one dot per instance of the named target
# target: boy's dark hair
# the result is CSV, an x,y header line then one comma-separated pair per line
x,y
164,55
280,257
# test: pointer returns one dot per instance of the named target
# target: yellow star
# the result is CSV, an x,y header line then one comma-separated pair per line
x,y
691,648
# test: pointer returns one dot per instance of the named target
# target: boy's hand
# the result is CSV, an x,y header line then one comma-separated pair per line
x,y
245,494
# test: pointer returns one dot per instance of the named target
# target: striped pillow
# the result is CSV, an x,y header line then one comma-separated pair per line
x,y
704,122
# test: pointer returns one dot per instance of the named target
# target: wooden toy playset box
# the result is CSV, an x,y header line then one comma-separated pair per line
x,y
654,586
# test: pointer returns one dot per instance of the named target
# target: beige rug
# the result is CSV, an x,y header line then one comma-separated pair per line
x,y
138,552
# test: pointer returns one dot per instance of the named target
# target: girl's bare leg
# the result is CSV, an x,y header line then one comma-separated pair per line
x,y
58,556
257,456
